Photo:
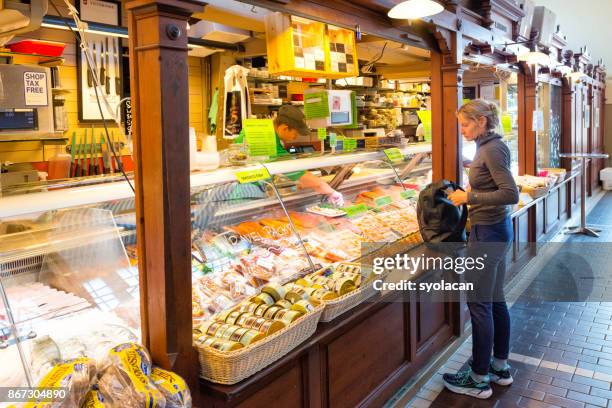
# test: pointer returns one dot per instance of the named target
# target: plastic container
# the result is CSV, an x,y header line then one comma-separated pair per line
x,y
606,178
59,166
47,48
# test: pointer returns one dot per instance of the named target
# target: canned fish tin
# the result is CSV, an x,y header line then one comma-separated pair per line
x,y
248,307
275,290
263,298
324,295
268,327
251,336
222,316
344,286
219,332
287,316
271,311
297,293
261,310
302,306
206,341
284,303
249,321
227,334
238,333
226,345
210,327
244,318
305,282
232,317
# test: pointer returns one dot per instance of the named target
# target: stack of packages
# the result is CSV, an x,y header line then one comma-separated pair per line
x,y
125,378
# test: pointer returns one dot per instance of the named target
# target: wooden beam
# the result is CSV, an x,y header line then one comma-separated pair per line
x,y
527,96
160,105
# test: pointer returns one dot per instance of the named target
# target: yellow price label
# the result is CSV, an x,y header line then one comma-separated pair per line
x,y
394,155
252,175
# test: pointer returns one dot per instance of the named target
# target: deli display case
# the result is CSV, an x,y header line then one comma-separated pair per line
x,y
70,285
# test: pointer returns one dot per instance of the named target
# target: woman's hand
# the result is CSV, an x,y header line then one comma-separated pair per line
x,y
458,197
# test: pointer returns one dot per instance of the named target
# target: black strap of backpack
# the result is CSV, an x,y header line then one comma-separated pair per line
x,y
464,208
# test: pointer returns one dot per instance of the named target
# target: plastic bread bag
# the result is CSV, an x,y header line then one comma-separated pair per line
x,y
76,376
95,399
173,387
125,378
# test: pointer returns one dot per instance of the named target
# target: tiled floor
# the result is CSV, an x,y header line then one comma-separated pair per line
x,y
561,351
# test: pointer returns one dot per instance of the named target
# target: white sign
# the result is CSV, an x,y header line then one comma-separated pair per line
x,y
35,88
587,116
597,117
99,11
537,123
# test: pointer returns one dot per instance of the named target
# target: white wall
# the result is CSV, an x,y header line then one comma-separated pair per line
x,y
586,22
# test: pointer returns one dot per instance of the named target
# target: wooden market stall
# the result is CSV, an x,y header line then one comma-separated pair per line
x,y
408,73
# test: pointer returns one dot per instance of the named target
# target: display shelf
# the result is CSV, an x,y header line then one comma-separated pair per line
x,y
270,80
42,60
14,206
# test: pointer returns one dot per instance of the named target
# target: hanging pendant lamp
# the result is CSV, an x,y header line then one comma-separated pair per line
x,y
413,9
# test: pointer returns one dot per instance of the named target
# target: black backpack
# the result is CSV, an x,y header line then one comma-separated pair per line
x,y
439,219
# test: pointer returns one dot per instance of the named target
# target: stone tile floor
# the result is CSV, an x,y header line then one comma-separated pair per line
x,y
561,352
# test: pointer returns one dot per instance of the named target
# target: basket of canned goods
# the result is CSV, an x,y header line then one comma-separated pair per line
x,y
344,285
239,342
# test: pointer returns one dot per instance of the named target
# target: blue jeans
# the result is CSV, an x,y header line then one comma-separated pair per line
x,y
488,310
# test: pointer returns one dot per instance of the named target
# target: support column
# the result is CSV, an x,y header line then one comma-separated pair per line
x,y
527,88
160,104
447,97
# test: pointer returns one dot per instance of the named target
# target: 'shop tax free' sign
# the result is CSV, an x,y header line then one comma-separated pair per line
x,y
35,88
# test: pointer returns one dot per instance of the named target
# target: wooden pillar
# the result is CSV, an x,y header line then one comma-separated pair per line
x,y
447,96
567,129
527,94
160,104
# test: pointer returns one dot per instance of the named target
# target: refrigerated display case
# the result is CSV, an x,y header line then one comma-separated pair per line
x,y
68,260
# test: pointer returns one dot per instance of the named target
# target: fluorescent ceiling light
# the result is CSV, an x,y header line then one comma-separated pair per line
x,y
535,57
575,76
413,9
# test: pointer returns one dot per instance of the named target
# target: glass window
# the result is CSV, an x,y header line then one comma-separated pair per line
x,y
549,137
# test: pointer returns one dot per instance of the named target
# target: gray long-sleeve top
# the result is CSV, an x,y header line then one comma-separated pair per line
x,y
493,187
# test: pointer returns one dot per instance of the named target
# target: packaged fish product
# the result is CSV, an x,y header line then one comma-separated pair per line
x,y
94,399
173,387
74,375
125,378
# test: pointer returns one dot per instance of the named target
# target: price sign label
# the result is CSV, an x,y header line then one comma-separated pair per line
x,y
383,201
252,175
355,210
349,144
407,194
394,155
322,133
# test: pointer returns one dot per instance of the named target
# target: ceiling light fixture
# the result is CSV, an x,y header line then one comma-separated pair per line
x,y
413,9
535,57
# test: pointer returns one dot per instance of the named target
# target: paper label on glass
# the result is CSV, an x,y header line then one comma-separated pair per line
x,y
537,124
506,124
35,88
321,133
260,136
299,62
394,155
252,175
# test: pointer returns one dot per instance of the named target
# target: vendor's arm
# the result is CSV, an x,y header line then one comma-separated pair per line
x,y
309,180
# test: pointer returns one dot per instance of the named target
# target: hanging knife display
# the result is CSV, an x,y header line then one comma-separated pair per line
x,y
107,55
117,73
82,154
89,76
102,67
73,163
92,165
106,160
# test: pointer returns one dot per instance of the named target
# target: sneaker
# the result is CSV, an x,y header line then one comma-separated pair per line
x,y
463,383
500,377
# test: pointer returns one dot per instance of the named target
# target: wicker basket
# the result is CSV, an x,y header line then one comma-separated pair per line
x,y
338,306
234,366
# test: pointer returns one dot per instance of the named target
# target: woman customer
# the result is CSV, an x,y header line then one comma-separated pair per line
x,y
491,190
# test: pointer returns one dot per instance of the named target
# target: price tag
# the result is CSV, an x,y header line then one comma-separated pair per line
x,y
382,201
394,155
407,194
349,144
322,133
506,124
252,175
355,210
332,139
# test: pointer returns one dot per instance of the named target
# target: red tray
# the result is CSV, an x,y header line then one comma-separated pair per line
x,y
47,48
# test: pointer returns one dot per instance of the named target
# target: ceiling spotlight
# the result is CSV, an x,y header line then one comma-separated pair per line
x,y
413,9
